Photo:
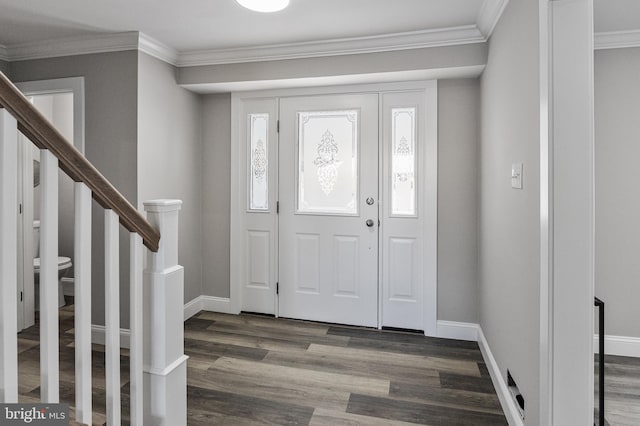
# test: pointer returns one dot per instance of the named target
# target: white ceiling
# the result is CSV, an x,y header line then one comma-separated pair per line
x,y
189,25
197,32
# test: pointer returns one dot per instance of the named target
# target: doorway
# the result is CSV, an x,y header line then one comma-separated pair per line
x,y
61,101
328,232
337,205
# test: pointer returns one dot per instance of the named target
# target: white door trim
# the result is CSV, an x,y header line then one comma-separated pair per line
x,y
73,85
430,206
430,184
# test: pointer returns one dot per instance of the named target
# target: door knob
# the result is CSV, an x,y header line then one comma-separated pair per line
x,y
369,222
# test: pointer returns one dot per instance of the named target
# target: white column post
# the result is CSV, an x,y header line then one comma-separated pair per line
x,y
567,213
8,259
165,371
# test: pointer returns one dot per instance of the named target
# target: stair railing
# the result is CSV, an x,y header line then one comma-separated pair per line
x,y
157,360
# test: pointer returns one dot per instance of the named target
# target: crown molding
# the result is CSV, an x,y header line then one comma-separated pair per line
x,y
617,39
116,42
4,54
135,40
157,49
345,46
489,15
72,46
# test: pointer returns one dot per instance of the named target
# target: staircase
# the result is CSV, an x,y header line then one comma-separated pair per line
x,y
157,360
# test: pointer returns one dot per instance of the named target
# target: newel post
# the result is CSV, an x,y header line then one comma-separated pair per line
x,y
165,366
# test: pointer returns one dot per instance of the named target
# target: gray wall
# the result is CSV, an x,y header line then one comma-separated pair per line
x,y
216,197
458,104
458,148
617,149
4,67
169,157
509,218
111,92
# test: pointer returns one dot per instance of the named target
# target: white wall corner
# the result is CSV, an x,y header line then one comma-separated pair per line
x,y
616,39
506,400
157,49
489,15
457,330
98,336
619,345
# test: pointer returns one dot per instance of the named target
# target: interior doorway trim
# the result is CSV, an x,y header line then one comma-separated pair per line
x,y
74,85
429,184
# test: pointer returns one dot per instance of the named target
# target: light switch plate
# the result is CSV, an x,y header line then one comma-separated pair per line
x,y
516,175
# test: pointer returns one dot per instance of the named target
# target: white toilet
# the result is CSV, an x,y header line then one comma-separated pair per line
x,y
64,263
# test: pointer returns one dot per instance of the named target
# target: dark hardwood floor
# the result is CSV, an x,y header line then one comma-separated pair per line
x,y
622,390
250,369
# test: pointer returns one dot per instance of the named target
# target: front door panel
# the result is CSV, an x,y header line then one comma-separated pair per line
x,y
328,260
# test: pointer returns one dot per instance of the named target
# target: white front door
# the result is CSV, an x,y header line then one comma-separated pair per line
x,y
328,260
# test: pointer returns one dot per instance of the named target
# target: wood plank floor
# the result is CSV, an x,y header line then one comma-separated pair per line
x,y
622,390
250,369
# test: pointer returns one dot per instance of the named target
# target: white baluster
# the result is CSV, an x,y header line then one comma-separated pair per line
x,y
112,316
82,295
8,259
135,348
49,365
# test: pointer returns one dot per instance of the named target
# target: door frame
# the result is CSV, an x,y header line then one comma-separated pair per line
x,y
74,85
429,182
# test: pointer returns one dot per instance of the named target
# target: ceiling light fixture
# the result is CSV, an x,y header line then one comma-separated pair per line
x,y
264,5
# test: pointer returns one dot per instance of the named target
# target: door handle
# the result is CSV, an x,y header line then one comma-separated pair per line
x,y
369,222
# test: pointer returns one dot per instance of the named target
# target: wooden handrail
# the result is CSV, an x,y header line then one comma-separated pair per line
x,y
42,133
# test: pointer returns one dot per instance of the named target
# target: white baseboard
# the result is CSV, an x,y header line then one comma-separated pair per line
x,y
200,303
619,345
208,303
217,304
98,336
193,307
506,400
457,330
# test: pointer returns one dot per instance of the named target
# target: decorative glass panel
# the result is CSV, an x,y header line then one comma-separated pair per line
x,y
403,161
328,162
259,167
